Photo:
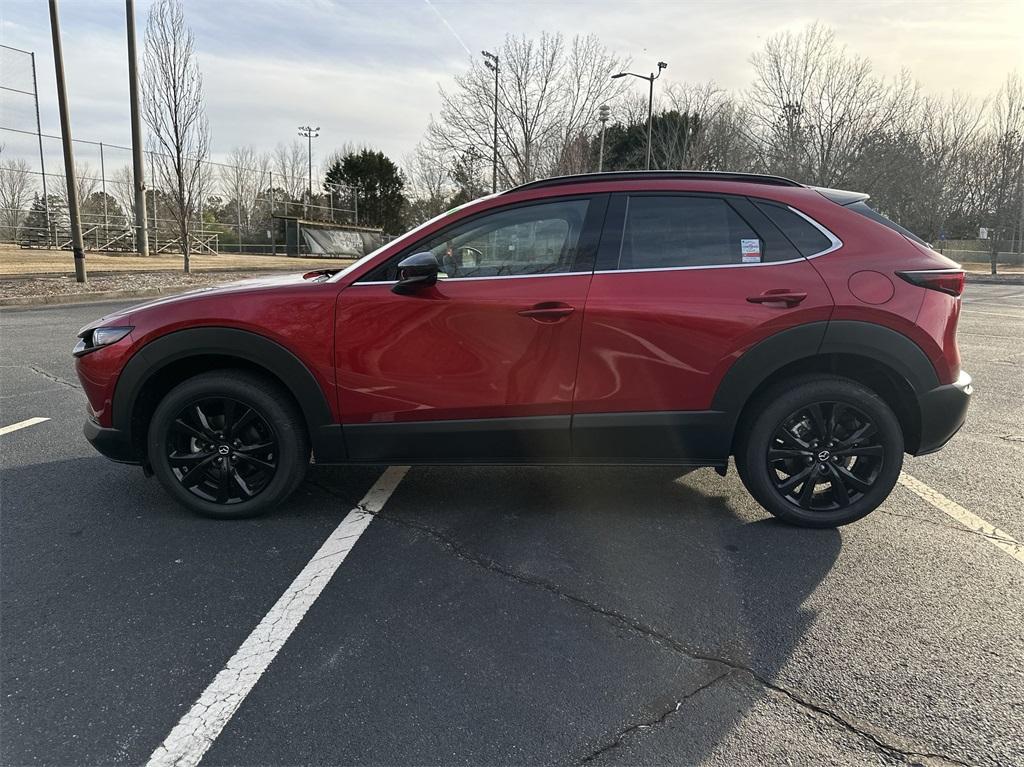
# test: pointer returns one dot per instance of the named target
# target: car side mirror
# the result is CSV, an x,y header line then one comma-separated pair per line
x,y
418,271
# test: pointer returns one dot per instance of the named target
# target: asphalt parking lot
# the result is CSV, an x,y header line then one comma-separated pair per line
x,y
509,615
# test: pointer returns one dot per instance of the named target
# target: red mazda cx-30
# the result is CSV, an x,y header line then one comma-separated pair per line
x,y
617,318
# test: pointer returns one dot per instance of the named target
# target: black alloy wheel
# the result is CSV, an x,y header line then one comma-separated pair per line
x,y
819,450
825,456
222,450
228,443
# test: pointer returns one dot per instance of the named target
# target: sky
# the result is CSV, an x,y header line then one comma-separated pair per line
x,y
368,72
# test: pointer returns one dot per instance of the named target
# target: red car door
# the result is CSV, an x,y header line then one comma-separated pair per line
x,y
481,365
685,283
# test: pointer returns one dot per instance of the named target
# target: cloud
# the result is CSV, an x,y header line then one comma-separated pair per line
x,y
369,72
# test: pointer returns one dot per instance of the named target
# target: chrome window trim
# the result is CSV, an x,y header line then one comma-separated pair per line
x,y
835,245
471,279
836,242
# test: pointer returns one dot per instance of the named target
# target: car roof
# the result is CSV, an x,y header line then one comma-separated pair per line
x,y
657,175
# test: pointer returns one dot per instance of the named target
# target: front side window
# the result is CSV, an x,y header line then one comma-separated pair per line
x,y
678,231
531,239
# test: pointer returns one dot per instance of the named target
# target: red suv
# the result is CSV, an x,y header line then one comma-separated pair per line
x,y
618,318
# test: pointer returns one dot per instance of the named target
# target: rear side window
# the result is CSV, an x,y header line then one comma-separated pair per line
x,y
674,231
806,237
874,215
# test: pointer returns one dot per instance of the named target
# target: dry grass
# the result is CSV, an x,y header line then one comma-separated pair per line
x,y
16,261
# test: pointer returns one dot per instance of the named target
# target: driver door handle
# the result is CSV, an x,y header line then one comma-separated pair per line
x,y
548,311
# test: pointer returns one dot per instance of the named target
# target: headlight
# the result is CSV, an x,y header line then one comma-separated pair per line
x,y
96,338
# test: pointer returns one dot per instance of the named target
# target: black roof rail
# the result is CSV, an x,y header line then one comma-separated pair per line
x,y
640,175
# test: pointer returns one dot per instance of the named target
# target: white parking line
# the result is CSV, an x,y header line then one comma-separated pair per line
x,y
199,728
993,314
21,425
992,534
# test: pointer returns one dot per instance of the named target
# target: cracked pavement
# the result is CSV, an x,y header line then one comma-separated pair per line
x,y
513,615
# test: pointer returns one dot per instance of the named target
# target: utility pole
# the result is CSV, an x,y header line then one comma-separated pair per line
x,y
309,134
650,101
491,62
42,162
141,233
602,115
78,247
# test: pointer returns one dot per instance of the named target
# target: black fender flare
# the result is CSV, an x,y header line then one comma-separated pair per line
x,y
866,339
245,345
885,345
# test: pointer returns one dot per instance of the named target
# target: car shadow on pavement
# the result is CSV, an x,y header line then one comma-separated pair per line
x,y
690,562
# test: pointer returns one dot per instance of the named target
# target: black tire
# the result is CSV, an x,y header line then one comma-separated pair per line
x,y
820,451
228,444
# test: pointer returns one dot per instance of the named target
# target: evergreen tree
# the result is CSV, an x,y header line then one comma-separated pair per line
x,y
380,186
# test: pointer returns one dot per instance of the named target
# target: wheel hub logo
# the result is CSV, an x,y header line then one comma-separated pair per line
x,y
223,449
824,455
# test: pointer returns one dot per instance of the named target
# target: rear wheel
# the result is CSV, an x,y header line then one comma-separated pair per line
x,y
228,444
820,451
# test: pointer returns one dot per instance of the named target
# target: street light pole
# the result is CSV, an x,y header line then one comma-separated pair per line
x,y
602,115
309,133
77,245
491,62
650,102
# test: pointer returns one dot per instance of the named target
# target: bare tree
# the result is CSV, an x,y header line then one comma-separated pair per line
x,y
85,179
1001,159
172,97
16,190
548,94
290,169
714,139
243,178
428,183
121,187
813,107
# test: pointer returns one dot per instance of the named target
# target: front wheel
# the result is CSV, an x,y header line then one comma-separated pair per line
x,y
820,451
228,444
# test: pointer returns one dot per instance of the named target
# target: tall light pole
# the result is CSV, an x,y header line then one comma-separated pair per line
x,y
650,101
491,62
141,235
602,114
309,133
77,244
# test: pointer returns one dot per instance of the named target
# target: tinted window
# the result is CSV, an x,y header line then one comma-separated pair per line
x,y
874,215
532,239
672,231
807,238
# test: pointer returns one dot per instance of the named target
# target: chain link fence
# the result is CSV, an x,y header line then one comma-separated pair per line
x,y
252,210
240,209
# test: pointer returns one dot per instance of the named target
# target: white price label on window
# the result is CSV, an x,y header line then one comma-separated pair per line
x,y
750,251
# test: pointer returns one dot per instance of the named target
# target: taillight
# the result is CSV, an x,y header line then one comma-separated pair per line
x,y
949,281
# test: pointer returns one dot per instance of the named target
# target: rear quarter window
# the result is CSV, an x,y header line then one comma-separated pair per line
x,y
806,237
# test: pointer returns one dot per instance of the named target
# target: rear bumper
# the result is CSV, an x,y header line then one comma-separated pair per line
x,y
113,443
943,412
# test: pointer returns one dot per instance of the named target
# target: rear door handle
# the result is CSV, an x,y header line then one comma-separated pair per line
x,y
778,296
548,311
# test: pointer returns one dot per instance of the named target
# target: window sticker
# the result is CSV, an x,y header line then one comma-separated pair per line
x,y
750,251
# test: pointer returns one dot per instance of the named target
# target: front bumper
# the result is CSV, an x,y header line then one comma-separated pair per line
x,y
113,443
943,412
